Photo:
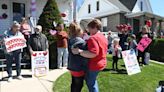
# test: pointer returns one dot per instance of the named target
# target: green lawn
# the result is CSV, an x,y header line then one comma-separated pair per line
x,y
108,81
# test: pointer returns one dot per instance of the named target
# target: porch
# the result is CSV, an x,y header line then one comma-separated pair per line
x,y
137,20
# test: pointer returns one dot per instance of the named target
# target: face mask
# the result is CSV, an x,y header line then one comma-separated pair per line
x,y
37,32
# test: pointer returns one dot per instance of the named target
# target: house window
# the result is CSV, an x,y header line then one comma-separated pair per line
x,y
104,24
98,5
141,6
18,11
89,8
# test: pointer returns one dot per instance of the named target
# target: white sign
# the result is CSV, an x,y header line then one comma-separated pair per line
x,y
15,43
40,63
131,62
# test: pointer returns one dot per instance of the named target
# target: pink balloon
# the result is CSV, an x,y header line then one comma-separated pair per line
x,y
52,32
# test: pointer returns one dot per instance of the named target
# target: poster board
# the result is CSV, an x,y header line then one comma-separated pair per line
x,y
15,43
131,62
144,43
40,63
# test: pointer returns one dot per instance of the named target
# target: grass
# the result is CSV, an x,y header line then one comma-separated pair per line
x,y
108,81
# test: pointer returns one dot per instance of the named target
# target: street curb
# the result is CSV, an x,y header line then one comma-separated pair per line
x,y
157,62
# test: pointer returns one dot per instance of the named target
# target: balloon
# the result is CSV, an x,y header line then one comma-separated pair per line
x,y
52,32
148,23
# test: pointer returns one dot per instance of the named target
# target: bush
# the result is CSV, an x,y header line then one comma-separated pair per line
x,y
50,14
157,50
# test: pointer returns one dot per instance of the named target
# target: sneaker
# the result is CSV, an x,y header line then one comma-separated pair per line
x,y
10,79
59,67
19,77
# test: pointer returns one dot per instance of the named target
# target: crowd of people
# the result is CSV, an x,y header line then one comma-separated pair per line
x,y
126,41
35,42
83,54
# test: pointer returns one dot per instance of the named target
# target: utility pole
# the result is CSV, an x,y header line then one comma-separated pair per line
x,y
75,11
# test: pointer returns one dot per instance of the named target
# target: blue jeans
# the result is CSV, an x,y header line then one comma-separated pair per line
x,y
62,57
13,56
91,81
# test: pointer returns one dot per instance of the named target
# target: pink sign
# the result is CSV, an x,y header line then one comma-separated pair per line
x,y
144,43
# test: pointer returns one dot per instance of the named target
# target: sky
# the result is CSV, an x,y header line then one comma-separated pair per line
x,y
158,7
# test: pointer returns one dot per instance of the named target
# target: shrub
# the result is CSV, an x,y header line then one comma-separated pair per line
x,y
49,15
157,50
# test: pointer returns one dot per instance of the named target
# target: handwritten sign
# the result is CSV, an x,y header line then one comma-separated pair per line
x,y
144,43
15,43
131,62
40,63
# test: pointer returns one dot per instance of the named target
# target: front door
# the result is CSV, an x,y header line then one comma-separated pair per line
x,y
136,26
18,11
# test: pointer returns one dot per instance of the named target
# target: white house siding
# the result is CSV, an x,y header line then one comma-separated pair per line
x,y
40,5
146,6
66,6
4,23
105,8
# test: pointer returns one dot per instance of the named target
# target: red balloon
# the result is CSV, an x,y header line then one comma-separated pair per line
x,y
148,23
118,27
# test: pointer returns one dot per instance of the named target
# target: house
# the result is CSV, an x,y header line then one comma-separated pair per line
x,y
11,10
114,12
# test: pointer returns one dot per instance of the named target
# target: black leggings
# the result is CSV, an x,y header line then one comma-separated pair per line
x,y
77,84
142,55
115,61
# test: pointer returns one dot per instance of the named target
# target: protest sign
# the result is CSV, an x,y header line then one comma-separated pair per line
x,y
40,63
144,43
15,43
131,62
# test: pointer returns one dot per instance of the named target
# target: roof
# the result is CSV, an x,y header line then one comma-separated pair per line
x,y
148,14
118,4
115,6
130,4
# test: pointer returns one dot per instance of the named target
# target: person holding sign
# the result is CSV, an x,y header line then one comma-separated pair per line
x,y
38,47
143,34
38,41
13,55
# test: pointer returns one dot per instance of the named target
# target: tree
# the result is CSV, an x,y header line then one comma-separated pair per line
x,y
50,14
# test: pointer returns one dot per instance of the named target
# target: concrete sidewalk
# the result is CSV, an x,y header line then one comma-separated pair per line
x,y
29,84
161,63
